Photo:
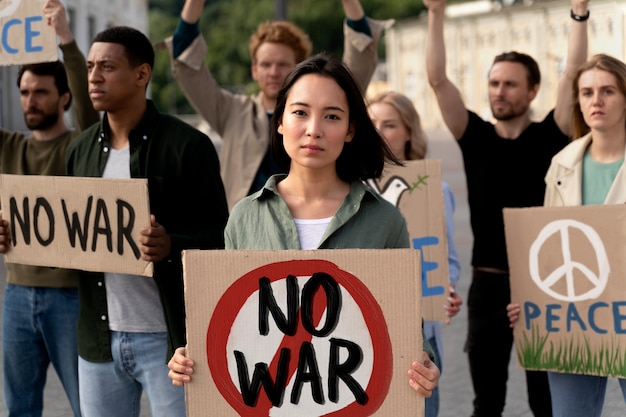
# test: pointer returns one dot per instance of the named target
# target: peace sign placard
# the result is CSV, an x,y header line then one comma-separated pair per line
x,y
568,270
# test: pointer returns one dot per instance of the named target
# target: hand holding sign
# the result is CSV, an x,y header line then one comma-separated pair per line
x,y
423,376
181,367
155,242
512,311
453,305
5,235
267,326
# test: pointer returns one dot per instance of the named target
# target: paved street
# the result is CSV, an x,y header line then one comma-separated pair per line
x,y
455,385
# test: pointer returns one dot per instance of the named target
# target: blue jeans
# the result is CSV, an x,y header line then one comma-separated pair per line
x,y
431,405
38,328
139,364
579,395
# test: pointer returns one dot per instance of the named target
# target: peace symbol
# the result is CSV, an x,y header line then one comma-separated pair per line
x,y
567,269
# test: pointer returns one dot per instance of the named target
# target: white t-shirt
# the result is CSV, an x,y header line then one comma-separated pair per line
x,y
310,231
133,302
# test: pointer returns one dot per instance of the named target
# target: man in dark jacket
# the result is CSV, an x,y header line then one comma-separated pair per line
x,y
128,326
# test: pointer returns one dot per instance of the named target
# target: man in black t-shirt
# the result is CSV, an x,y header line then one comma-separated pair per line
x,y
505,164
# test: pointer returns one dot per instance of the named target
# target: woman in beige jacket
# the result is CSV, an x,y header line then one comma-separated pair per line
x,y
590,170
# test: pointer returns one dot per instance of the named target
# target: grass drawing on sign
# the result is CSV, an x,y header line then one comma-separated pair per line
x,y
571,355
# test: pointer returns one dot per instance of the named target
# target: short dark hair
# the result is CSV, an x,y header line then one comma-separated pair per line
x,y
55,69
139,49
365,155
532,69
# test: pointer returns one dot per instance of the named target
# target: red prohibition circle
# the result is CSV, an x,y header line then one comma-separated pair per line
x,y
234,298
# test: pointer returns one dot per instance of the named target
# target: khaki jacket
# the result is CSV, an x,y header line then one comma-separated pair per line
x,y
241,120
564,177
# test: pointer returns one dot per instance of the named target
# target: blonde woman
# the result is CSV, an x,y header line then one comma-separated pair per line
x,y
398,122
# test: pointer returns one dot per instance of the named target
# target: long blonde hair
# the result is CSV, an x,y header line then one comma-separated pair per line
x,y
417,146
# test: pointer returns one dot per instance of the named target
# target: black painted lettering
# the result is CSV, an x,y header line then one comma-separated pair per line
x,y
274,390
102,215
39,204
23,221
267,304
343,371
125,227
333,303
74,227
308,371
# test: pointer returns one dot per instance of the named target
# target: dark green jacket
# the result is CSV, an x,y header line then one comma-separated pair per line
x,y
186,196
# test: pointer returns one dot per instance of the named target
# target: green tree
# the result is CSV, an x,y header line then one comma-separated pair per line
x,y
227,25
165,91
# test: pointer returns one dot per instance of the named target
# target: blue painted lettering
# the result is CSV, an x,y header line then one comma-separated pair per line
x,y
554,317
419,243
30,34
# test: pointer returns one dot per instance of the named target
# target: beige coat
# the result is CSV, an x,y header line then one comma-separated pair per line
x,y
564,177
241,120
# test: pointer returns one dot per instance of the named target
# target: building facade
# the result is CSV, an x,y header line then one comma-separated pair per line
x,y
475,36
86,19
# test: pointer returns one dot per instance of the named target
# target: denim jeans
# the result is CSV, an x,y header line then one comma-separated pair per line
x,y
431,404
139,364
38,328
579,395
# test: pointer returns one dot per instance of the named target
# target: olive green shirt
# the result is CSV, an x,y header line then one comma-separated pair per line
x,y
364,221
22,154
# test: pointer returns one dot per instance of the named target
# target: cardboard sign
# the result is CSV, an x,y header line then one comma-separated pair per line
x,y
303,333
25,37
416,190
567,273
90,224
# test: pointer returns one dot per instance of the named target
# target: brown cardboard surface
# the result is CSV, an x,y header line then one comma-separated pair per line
x,y
567,273
378,311
47,216
416,190
25,37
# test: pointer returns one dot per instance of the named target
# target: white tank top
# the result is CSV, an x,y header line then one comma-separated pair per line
x,y
310,231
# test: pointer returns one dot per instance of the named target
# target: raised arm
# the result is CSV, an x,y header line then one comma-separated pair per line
x,y
577,49
361,38
75,67
187,50
353,9
448,96
192,10
188,27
